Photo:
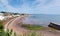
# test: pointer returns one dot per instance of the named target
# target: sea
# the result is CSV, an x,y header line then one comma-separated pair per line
x,y
42,19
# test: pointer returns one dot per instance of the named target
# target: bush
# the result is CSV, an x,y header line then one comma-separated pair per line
x,y
1,25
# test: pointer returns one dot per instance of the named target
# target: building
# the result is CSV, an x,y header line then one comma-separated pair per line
x,y
2,16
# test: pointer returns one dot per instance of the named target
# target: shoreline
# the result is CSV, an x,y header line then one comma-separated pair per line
x,y
13,25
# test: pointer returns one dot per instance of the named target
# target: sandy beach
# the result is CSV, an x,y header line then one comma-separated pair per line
x,y
16,28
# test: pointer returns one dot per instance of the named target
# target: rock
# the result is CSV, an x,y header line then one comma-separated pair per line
x,y
55,26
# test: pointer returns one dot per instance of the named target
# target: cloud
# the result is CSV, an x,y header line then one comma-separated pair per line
x,y
8,7
16,3
32,7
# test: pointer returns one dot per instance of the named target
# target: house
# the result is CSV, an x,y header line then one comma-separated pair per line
x,y
16,15
2,16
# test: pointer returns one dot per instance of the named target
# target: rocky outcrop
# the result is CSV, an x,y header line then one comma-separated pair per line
x,y
55,26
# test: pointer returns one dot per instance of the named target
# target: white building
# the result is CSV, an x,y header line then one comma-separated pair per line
x,y
16,15
1,16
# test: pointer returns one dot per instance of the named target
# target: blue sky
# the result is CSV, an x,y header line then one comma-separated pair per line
x,y
31,6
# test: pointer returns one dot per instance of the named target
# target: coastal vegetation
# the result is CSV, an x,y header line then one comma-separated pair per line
x,y
1,25
32,27
11,33
3,32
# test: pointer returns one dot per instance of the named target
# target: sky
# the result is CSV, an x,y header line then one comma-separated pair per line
x,y
31,6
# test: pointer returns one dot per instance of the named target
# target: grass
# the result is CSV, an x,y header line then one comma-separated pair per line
x,y
33,33
32,27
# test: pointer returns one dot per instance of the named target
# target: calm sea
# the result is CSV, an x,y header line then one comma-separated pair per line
x,y
42,19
